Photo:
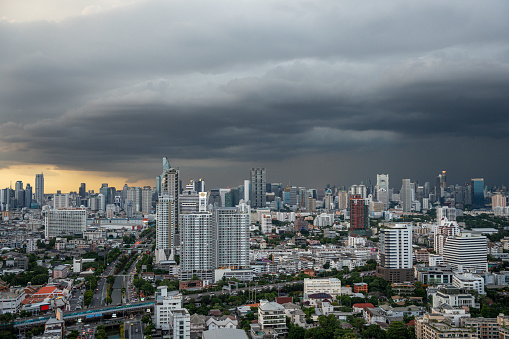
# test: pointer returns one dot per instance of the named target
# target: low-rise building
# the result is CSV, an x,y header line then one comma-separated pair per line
x,y
330,286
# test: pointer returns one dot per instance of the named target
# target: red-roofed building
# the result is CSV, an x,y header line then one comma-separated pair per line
x,y
358,308
284,300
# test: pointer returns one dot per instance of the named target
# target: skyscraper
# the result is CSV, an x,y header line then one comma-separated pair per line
x,y
382,189
477,187
82,192
28,196
395,254
232,237
134,195
406,195
165,223
359,223
146,199
441,184
39,189
170,182
197,245
19,194
258,187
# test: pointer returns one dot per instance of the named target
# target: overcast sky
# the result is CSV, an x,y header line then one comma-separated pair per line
x,y
317,92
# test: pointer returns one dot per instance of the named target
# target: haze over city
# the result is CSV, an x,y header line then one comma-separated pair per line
x,y
318,93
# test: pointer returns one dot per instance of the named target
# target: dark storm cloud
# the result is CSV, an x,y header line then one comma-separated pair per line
x,y
257,82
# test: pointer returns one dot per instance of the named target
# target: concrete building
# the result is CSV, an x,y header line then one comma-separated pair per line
x,y
146,200
382,189
39,189
10,302
395,253
60,201
469,281
330,286
406,195
197,246
232,237
359,222
65,222
258,187
272,319
181,322
165,303
453,297
466,252
165,223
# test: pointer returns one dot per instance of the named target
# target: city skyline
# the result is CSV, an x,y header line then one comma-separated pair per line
x,y
99,91
52,186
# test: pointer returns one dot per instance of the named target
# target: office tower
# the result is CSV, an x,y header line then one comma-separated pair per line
x,y
189,199
342,200
82,192
498,200
395,254
199,186
101,202
60,201
112,192
165,222
247,190
426,189
445,213
134,195
477,187
65,222
232,237
382,189
28,196
19,194
258,187
293,196
440,185
359,190
406,195
197,245
5,199
359,222
39,189
466,252
146,200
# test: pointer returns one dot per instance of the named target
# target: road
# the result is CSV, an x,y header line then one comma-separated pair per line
x,y
134,329
99,294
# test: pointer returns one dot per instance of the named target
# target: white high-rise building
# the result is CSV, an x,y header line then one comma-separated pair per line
x,y
60,201
246,190
342,200
165,223
39,189
467,252
65,222
197,245
382,189
232,237
498,200
189,199
406,195
395,253
445,213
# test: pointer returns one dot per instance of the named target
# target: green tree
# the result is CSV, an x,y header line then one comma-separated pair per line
x,y
296,332
373,332
397,330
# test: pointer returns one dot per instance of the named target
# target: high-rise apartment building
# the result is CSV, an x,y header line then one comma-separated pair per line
x,y
197,245
477,187
134,196
382,189
395,253
189,199
258,187
64,222
342,200
232,237
359,222
165,223
19,194
406,195
498,200
466,252
39,189
170,184
146,200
